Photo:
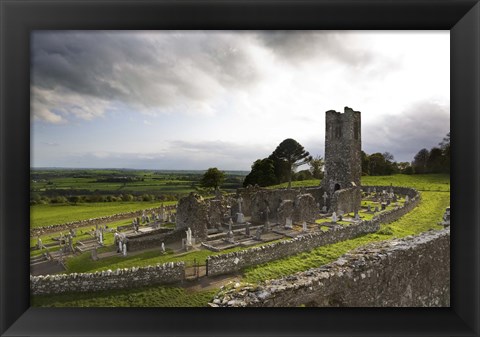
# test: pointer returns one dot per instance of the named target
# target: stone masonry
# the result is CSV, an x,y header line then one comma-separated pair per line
x,y
409,272
343,163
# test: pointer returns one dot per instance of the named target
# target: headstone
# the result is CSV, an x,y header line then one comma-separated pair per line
x,y
384,206
124,249
163,247
407,199
368,191
394,198
304,226
334,217
39,243
189,237
240,218
369,208
230,223
230,237
288,223
324,209
247,229
120,246
258,234
100,238
357,216
94,254
374,190
376,209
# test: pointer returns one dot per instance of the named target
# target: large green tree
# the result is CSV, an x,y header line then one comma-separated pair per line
x,y
420,161
292,154
212,178
262,174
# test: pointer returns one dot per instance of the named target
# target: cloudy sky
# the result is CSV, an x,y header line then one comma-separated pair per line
x,y
194,100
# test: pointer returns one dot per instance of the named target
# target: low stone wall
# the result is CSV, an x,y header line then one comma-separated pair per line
x,y
235,261
409,272
90,222
231,262
105,280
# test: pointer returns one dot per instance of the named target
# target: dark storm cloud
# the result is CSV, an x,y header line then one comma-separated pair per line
x,y
299,45
145,69
423,125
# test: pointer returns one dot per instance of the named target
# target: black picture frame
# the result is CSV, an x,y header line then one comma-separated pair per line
x,y
19,18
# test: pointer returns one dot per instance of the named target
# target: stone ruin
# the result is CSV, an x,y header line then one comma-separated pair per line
x,y
192,213
340,190
343,160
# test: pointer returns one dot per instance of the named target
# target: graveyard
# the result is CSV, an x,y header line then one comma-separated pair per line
x,y
251,235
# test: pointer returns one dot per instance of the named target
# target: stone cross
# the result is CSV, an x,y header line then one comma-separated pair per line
x,y
240,200
325,197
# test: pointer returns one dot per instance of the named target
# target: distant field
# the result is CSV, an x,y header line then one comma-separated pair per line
x,y
421,182
45,215
78,181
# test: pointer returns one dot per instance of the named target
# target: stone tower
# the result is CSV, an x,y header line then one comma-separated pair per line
x,y
343,145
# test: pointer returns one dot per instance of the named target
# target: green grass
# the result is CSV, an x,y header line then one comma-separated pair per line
x,y
422,182
46,215
435,197
154,296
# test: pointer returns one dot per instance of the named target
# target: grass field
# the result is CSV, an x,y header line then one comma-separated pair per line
x,y
435,197
51,214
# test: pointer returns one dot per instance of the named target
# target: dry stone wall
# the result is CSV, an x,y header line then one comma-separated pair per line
x,y
89,222
231,262
409,272
152,240
105,280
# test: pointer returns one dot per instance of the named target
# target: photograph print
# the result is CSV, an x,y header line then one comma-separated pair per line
x,y
240,168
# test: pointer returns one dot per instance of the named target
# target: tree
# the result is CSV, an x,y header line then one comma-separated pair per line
x,y
365,163
435,160
445,146
316,166
420,161
377,164
262,174
212,178
292,154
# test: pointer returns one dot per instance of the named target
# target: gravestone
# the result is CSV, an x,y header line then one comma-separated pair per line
x,y
384,206
258,234
357,216
247,229
163,247
304,226
334,217
288,223
376,209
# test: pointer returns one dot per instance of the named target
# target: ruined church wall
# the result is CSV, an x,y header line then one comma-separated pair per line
x,y
347,200
106,280
235,261
408,272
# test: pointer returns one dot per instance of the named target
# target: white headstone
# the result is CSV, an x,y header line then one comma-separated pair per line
x,y
163,247
288,223
304,226
124,249
334,217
